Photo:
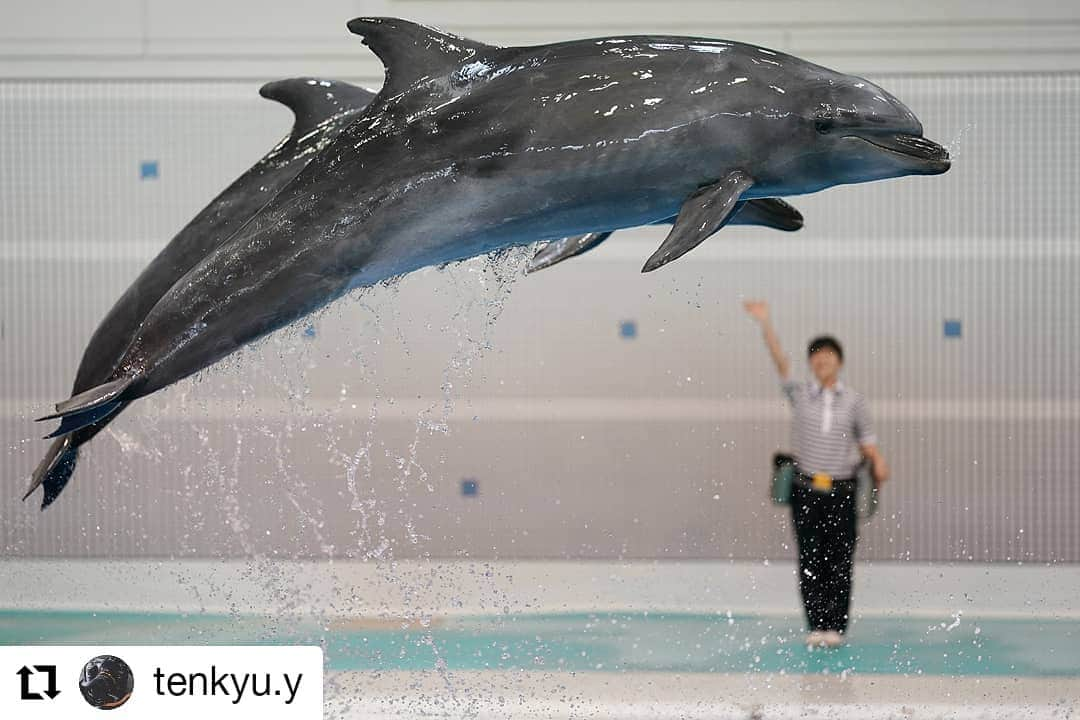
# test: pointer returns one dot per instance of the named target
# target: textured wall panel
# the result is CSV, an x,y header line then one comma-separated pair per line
x,y
267,38
353,439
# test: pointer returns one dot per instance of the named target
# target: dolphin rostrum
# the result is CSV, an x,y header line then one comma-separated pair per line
x,y
469,148
322,108
767,212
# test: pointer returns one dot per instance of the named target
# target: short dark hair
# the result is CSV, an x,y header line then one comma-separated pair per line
x,y
825,342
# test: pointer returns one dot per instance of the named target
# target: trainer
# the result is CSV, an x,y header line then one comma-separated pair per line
x,y
831,436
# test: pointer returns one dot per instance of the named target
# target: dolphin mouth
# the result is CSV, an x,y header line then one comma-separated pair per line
x,y
915,147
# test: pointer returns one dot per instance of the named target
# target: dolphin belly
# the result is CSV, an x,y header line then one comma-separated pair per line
x,y
265,280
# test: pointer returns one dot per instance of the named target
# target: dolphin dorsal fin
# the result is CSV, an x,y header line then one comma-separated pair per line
x,y
410,51
315,100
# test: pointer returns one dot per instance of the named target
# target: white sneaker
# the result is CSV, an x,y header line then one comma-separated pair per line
x,y
815,639
832,638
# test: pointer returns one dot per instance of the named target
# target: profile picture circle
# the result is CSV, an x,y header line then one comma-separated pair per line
x,y
106,682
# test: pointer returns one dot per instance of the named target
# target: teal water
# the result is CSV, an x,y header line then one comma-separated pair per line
x,y
605,642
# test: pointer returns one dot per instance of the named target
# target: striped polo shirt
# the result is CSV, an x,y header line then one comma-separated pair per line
x,y
828,427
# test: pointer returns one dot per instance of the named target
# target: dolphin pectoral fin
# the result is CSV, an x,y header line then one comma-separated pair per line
x,y
702,214
410,51
768,212
559,250
104,394
314,101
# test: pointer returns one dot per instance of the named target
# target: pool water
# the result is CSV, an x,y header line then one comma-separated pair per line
x,y
603,642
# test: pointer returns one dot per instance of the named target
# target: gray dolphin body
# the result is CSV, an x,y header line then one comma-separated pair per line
x,y
470,148
322,108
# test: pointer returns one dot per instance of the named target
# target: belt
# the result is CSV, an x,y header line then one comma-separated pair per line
x,y
823,482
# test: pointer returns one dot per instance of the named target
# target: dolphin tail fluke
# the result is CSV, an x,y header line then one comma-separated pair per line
x,y
54,471
90,406
95,397
559,250
57,478
78,421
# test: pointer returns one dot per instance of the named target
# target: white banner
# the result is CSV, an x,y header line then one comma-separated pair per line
x,y
161,682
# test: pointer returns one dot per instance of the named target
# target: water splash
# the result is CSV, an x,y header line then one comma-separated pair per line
x,y
955,144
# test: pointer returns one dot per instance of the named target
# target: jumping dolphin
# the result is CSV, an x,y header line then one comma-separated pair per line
x,y
321,109
469,148
769,212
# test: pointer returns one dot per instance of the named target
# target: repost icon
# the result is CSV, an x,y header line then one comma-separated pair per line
x,y
176,682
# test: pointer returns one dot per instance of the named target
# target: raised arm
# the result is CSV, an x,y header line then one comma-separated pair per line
x,y
759,310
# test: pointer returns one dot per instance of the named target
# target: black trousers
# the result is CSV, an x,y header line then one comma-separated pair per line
x,y
826,530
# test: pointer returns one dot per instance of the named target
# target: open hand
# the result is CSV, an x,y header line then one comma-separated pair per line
x,y
758,309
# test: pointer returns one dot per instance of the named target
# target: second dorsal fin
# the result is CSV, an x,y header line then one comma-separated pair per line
x,y
314,100
410,51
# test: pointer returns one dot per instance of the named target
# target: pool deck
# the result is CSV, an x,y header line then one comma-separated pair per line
x,y
405,597
531,695
444,588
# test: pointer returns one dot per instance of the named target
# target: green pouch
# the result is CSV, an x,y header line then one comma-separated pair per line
x,y
783,475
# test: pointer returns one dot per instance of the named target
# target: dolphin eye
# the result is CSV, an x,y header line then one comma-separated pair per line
x,y
823,125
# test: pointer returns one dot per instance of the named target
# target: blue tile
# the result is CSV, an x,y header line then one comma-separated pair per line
x,y
469,487
628,329
952,328
148,170
309,331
